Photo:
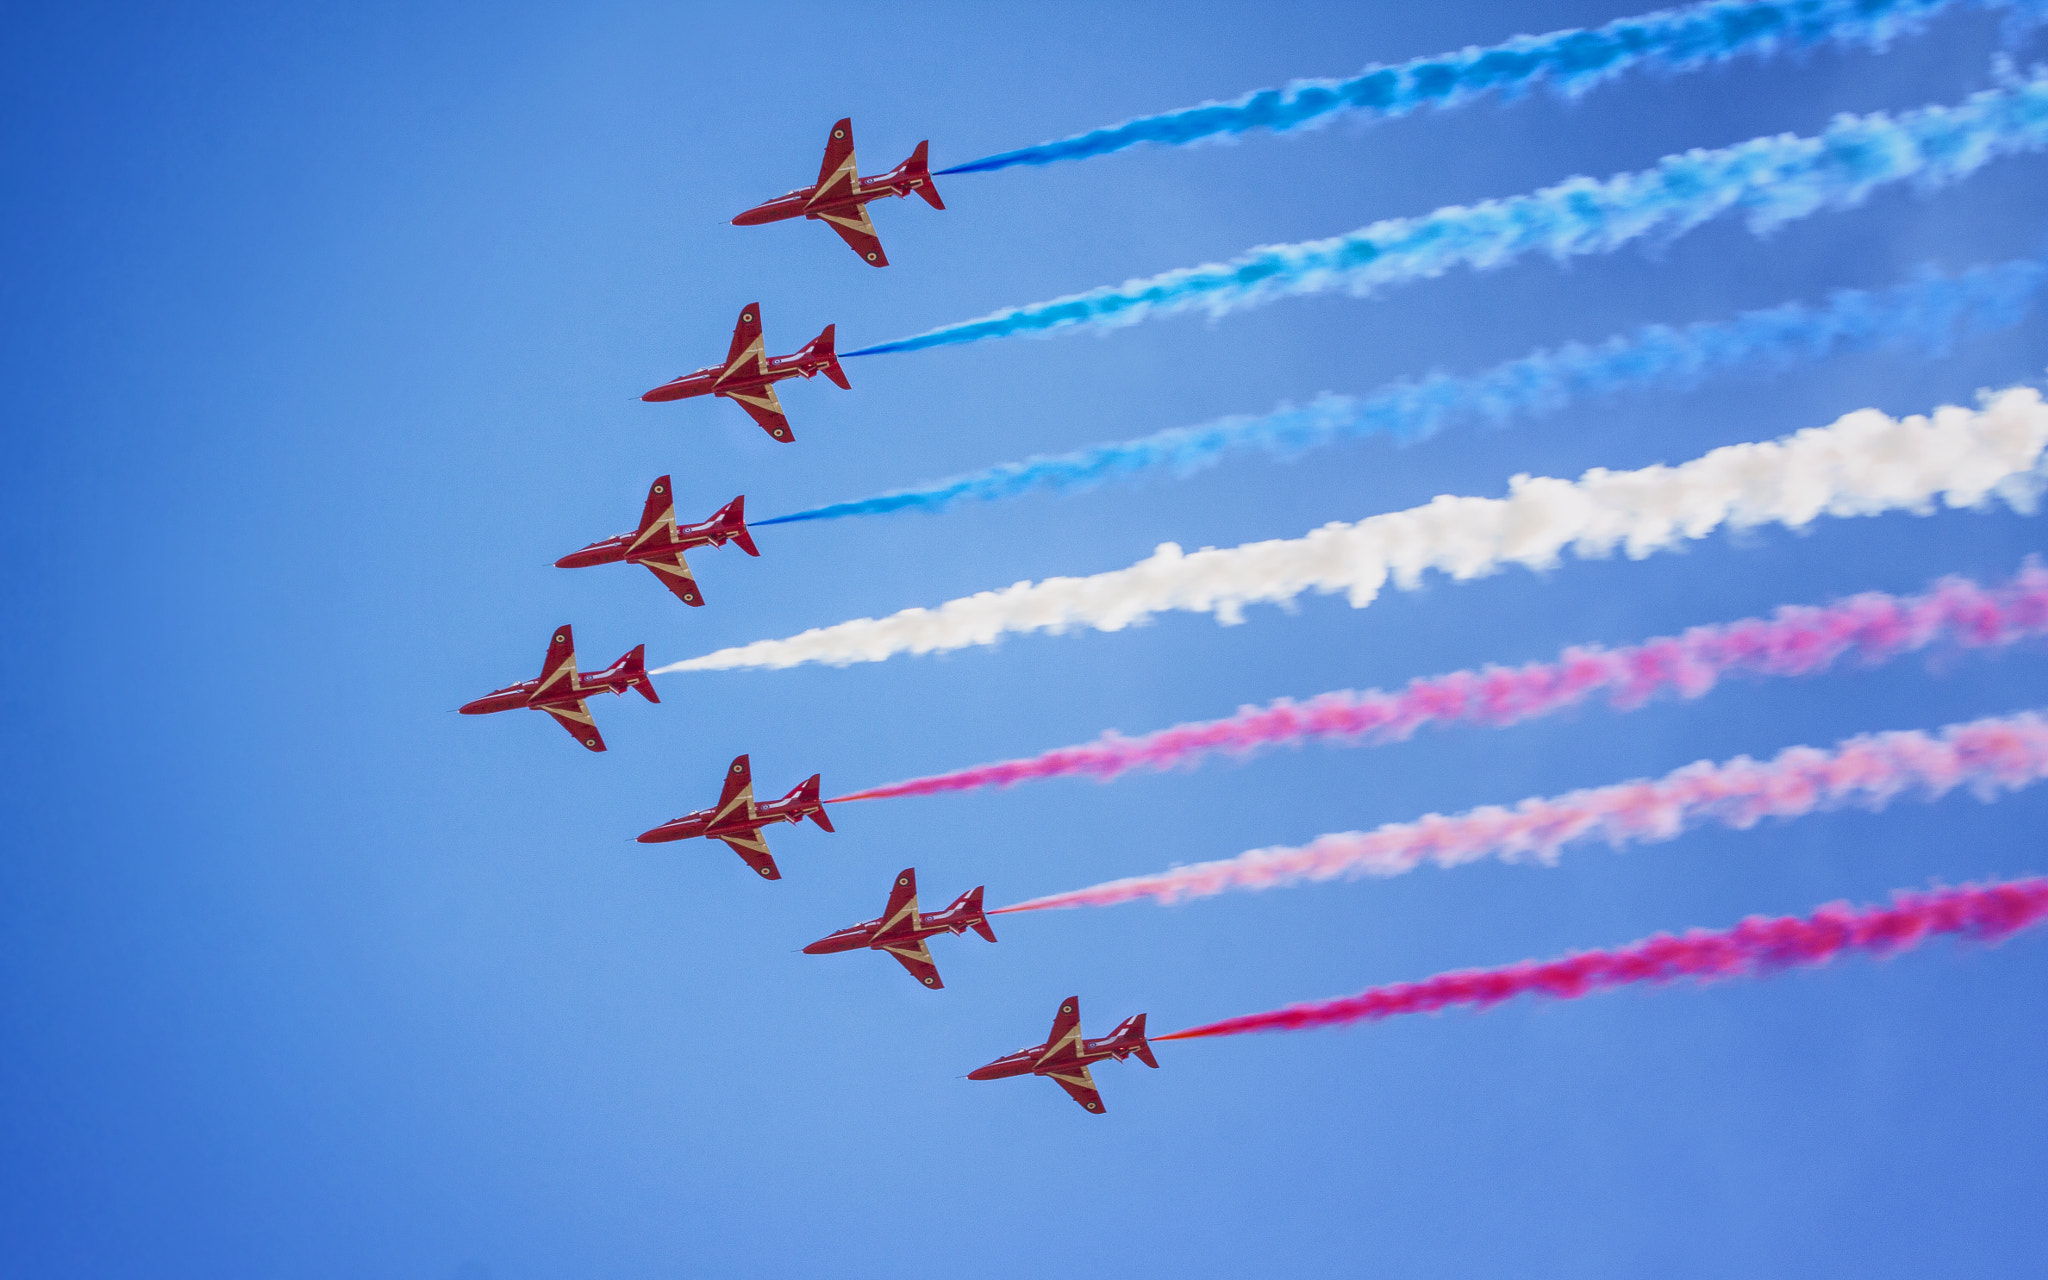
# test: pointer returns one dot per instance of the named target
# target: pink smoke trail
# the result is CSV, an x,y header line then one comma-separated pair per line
x,y
1797,640
1757,947
1990,756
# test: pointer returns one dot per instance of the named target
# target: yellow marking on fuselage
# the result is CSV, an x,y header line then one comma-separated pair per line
x,y
744,800
848,169
1052,1050
765,398
862,224
568,668
756,351
909,909
666,520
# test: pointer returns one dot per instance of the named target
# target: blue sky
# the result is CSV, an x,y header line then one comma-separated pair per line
x,y
322,328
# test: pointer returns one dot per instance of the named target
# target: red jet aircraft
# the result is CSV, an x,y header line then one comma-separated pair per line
x,y
748,376
738,820
659,543
840,198
560,692
1065,1055
901,931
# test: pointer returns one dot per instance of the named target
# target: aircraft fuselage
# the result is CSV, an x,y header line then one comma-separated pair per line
x,y
706,822
629,549
567,693
803,202
1066,1058
906,932
712,380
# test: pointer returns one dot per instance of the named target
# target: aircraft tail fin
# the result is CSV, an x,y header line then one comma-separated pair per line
x,y
1130,1038
732,520
634,668
977,917
805,793
918,169
965,912
821,348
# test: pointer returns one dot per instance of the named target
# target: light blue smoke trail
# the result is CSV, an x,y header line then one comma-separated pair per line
x,y
1929,314
1774,180
1570,62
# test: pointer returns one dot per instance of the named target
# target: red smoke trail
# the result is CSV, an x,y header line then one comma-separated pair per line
x,y
1990,756
1755,948
1798,640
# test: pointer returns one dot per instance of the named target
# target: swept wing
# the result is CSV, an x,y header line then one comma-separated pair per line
x,y
1080,1086
765,408
858,231
752,847
577,720
674,573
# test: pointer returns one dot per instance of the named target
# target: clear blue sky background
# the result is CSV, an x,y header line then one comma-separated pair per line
x,y
321,328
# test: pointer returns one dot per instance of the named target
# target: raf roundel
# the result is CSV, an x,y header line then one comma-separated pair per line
x,y
657,488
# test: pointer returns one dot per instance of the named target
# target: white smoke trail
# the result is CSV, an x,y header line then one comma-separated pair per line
x,y
1865,463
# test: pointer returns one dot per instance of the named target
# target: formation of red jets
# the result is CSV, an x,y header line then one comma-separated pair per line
x,y
839,199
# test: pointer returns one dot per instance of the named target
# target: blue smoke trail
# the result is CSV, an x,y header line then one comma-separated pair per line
x,y
1571,62
1774,179
1929,313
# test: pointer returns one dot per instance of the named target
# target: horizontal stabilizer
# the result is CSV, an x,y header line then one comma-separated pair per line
x,y
732,520
824,347
918,170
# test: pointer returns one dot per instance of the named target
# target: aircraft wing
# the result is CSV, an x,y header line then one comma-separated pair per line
x,y
764,407
917,958
1080,1086
560,664
748,352
1066,1025
859,234
752,847
902,901
738,789
577,720
674,572
659,513
838,171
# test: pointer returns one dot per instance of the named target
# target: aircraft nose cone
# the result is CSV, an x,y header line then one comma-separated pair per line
x,y
660,835
475,708
984,1073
